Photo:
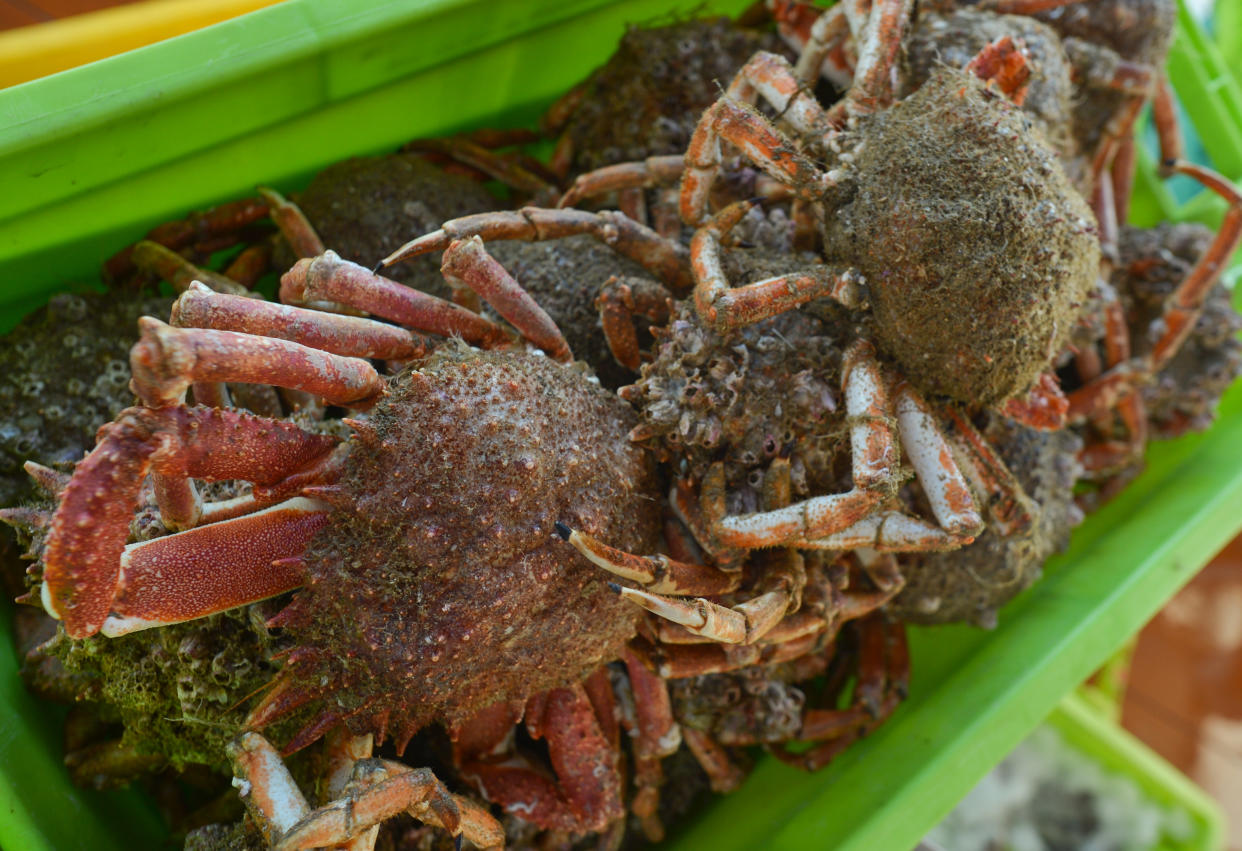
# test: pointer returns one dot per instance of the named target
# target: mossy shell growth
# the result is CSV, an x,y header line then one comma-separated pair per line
x,y
977,250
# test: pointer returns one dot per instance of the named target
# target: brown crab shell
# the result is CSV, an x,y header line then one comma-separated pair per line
x,y
439,586
977,251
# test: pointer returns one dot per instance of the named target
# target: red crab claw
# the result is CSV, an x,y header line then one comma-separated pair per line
x,y
89,571
1004,64
586,794
1044,407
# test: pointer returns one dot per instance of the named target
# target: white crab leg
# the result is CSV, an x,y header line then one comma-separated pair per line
x,y
933,463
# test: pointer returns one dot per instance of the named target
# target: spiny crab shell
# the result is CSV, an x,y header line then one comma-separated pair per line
x,y
436,585
439,586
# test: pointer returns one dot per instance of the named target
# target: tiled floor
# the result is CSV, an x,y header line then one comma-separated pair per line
x,y
1185,692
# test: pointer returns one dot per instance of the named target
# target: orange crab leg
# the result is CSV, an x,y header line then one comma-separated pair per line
x,y
350,336
1044,407
329,277
658,573
224,219
617,303
663,257
250,264
1004,64
293,224
466,151
742,126
726,307
377,790
874,454
877,54
1010,509
651,172
722,774
818,35
1185,304
467,262
658,732
176,270
167,360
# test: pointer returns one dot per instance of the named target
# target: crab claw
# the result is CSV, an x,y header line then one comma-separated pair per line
x,y
1044,407
88,571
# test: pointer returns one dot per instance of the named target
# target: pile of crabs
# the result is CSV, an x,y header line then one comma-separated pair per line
x,y
815,323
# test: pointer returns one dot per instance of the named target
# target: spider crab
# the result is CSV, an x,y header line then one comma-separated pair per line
x,y
433,587
1114,50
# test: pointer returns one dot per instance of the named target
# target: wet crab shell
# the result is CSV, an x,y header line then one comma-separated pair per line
x,y
977,251
439,586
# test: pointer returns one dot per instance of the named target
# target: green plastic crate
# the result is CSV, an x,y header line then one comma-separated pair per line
x,y
1089,731
93,157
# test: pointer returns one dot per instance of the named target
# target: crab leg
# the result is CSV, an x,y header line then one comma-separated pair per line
x,y
889,531
662,257
659,572
656,734
379,790
726,307
467,262
210,224
883,676
778,591
167,360
1026,7
617,303
742,624
587,792
649,173
463,150
250,264
933,463
1044,407
1004,64
767,147
172,267
349,336
722,774
343,750
877,55
328,277
874,454
1012,512
818,35
293,224
1185,303
796,625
